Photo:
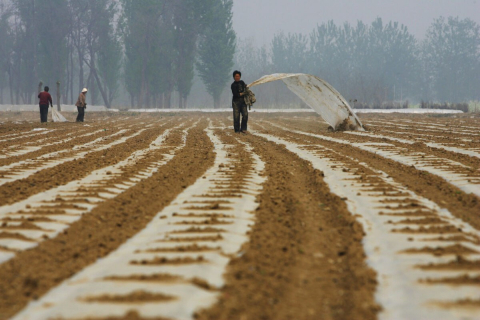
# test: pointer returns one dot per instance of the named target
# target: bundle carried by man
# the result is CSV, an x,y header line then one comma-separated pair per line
x,y
249,98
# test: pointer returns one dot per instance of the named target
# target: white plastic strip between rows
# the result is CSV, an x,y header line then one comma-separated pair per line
x,y
23,149
426,136
429,144
399,292
26,150
45,164
56,153
408,111
430,127
465,183
70,192
41,142
163,239
32,133
436,124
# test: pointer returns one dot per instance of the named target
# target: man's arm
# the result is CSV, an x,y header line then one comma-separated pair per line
x,y
50,100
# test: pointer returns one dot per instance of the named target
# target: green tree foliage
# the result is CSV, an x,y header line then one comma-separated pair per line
x,y
110,55
383,62
160,39
149,47
367,62
145,26
290,53
52,41
452,54
147,50
217,49
100,41
6,48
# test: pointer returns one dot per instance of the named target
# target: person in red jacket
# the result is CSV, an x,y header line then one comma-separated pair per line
x,y
45,100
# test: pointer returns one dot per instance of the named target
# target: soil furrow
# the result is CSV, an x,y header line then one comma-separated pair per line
x,y
462,205
59,140
304,259
64,147
472,162
32,273
362,188
193,273
73,170
46,213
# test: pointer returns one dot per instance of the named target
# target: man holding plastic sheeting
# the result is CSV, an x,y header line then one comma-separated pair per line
x,y
239,89
45,100
81,105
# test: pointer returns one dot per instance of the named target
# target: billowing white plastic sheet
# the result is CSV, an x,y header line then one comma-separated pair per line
x,y
57,116
320,96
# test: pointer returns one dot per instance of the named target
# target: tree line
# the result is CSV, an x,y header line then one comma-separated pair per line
x,y
374,63
144,50
149,53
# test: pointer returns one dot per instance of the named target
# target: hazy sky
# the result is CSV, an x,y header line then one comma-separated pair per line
x,y
263,18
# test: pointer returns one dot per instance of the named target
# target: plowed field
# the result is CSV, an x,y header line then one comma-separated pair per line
x,y
174,216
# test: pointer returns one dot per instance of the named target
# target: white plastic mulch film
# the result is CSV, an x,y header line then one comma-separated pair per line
x,y
57,116
320,96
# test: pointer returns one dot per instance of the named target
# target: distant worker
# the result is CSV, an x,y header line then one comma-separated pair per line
x,y
45,100
81,105
239,89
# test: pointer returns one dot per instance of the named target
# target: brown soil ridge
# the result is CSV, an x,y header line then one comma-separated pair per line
x,y
463,206
302,262
131,315
469,303
459,263
77,141
137,296
72,170
33,272
314,127
165,261
456,249
149,278
460,280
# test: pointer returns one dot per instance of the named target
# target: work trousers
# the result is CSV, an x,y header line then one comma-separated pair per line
x,y
81,114
240,108
43,112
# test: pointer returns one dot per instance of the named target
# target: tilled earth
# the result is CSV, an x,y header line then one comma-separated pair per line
x,y
174,216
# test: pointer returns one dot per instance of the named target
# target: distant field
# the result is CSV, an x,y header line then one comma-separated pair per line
x,y
174,216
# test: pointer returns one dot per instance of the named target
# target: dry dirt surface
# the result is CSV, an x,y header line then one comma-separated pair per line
x,y
174,216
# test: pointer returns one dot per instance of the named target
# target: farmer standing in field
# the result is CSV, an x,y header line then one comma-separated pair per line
x,y
81,105
45,100
239,89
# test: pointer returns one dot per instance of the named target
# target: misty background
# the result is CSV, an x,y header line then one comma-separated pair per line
x,y
181,54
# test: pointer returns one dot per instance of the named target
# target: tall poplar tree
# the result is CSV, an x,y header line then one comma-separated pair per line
x,y
216,50
452,53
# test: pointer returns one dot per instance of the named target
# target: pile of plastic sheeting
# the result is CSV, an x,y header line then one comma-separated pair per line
x,y
321,97
57,116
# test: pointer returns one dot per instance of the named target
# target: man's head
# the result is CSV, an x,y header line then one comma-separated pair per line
x,y
46,89
237,75
84,91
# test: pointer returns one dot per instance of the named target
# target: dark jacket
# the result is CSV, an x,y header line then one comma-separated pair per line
x,y
45,98
237,88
